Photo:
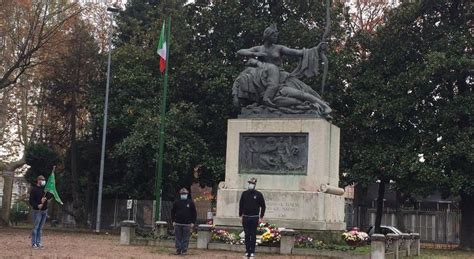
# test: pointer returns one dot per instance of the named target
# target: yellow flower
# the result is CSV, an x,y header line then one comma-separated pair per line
x,y
266,236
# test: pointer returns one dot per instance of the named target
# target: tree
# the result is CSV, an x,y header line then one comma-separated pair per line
x,y
27,27
72,73
17,134
367,15
413,103
41,160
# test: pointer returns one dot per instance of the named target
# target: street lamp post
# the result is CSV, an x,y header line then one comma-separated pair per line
x,y
112,11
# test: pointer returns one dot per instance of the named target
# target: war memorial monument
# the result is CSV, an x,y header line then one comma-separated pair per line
x,y
283,138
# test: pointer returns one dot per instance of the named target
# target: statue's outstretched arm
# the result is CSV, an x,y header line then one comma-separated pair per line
x,y
249,52
291,52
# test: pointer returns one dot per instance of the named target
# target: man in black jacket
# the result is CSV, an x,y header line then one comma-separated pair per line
x,y
183,215
251,211
39,204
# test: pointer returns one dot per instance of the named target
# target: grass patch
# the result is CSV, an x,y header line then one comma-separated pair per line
x,y
444,254
362,250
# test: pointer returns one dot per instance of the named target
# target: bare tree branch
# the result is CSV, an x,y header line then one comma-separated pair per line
x,y
12,166
42,27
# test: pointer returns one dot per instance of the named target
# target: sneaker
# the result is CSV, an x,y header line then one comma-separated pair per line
x,y
184,252
177,253
40,245
35,246
252,255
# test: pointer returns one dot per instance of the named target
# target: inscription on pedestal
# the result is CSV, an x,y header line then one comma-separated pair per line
x,y
275,153
281,209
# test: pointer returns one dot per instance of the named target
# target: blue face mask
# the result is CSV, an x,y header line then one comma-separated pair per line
x,y
183,196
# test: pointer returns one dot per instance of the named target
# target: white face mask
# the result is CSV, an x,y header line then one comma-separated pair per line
x,y
251,186
183,196
42,182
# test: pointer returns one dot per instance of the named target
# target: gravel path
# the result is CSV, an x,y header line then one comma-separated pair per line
x,y
15,243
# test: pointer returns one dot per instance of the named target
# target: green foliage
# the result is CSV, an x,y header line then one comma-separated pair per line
x,y
19,211
88,161
41,160
302,241
309,242
411,120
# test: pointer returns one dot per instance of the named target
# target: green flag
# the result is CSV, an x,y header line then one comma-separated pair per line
x,y
51,187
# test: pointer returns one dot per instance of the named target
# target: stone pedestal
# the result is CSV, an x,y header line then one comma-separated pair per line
x,y
416,242
377,246
301,191
204,236
127,231
161,228
407,243
395,244
287,241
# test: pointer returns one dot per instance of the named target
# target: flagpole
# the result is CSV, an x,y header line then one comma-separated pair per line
x,y
112,11
159,162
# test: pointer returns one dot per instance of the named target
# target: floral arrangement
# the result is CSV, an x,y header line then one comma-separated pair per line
x,y
268,235
264,227
221,235
309,242
304,242
355,237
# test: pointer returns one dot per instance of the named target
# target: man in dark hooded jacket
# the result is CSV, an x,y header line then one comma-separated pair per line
x,y
251,210
183,215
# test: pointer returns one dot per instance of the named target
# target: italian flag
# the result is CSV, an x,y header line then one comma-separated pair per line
x,y
162,49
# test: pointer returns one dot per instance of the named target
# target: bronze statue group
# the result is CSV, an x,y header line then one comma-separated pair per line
x,y
264,88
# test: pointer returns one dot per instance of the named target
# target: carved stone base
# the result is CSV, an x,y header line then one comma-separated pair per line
x,y
263,111
288,209
322,151
292,159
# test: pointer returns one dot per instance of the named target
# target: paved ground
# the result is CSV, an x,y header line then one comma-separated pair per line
x,y
15,243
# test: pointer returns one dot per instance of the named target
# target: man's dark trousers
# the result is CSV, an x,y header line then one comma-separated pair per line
x,y
182,232
250,228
